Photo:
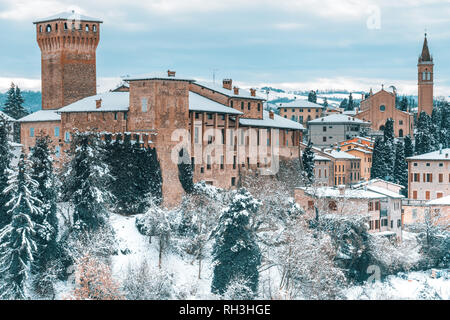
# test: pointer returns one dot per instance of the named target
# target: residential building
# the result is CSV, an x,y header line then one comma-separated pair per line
x,y
333,129
301,111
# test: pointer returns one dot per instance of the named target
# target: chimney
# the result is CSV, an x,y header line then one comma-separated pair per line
x,y
236,90
341,190
271,114
253,92
98,103
227,84
171,73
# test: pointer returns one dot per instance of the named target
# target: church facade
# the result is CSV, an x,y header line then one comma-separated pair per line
x,y
379,107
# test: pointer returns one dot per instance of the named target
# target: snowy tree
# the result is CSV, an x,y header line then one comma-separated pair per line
x,y
145,283
325,102
344,104
156,222
86,180
388,132
436,124
403,104
140,181
17,244
409,148
424,134
378,164
14,108
42,172
351,103
445,124
94,281
236,254
401,167
5,162
308,163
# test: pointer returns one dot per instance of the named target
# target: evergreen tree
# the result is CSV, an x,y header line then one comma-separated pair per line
x,y
401,167
378,165
312,96
140,183
389,130
409,149
403,104
86,181
14,108
424,134
351,103
236,254
42,172
17,245
344,104
308,163
5,161
436,124
325,102
185,173
445,124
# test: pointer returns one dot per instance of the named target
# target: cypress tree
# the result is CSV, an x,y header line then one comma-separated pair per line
x,y
424,134
325,102
185,173
409,149
14,108
401,167
312,96
351,104
236,254
5,161
378,164
17,244
308,163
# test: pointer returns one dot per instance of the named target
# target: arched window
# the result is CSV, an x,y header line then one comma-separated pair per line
x,y
428,75
40,28
73,26
400,133
48,28
94,28
65,25
382,108
87,28
56,27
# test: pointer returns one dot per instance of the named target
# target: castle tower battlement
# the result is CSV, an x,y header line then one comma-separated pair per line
x,y
68,44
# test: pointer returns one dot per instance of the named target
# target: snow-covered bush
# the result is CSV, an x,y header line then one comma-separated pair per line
x,y
142,282
238,289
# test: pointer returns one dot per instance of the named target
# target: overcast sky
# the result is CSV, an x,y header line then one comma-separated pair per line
x,y
291,44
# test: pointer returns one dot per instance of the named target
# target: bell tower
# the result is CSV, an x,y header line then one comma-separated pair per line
x,y
68,43
425,78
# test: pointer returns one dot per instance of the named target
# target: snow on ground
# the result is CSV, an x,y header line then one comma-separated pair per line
x,y
409,286
185,273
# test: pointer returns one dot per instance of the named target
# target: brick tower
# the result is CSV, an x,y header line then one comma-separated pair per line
x,y
68,44
425,77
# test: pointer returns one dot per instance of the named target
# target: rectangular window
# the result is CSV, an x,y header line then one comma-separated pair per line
x,y
196,130
249,106
67,136
242,105
429,177
259,106
222,161
56,131
233,181
125,116
144,102
57,151
399,223
415,194
441,177
208,163
31,132
427,195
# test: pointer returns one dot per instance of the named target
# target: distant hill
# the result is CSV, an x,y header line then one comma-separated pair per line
x,y
32,100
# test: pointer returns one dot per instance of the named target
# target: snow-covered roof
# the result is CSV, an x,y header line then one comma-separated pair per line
x,y
158,76
435,155
276,122
333,192
445,201
111,101
229,93
384,191
6,117
42,115
337,119
373,181
202,104
349,112
340,154
301,104
361,150
70,15
320,158
15,144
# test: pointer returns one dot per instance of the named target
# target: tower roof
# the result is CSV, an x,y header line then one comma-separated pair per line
x,y
70,15
425,56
